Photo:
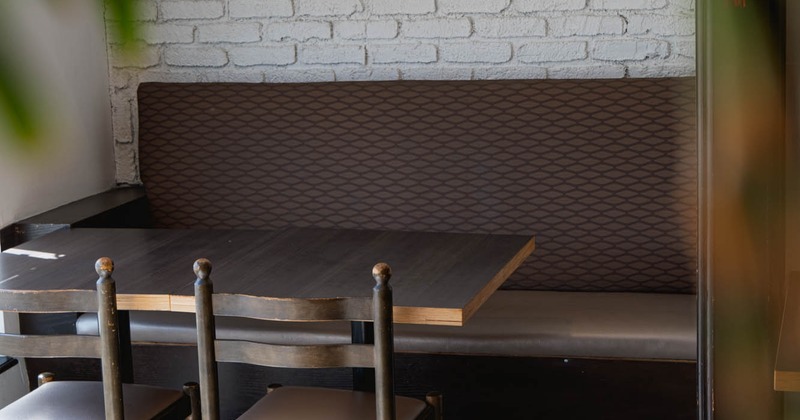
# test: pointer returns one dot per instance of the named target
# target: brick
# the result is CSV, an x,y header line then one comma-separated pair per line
x,y
229,32
121,79
191,9
437,28
502,73
125,157
299,30
328,7
476,52
661,24
548,5
260,8
684,4
146,10
677,69
473,6
403,53
169,76
196,57
627,4
683,47
630,49
403,7
259,56
228,76
609,71
122,118
510,27
167,33
139,57
435,73
332,54
542,52
586,25
299,75
350,74
350,29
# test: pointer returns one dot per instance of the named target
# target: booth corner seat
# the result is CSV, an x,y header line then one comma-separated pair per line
x,y
637,326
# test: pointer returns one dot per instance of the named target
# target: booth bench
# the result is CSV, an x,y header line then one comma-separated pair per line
x,y
602,171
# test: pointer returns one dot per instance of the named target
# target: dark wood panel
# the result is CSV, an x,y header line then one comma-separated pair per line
x,y
124,207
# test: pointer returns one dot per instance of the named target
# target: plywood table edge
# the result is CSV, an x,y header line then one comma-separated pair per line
x,y
472,306
402,314
144,302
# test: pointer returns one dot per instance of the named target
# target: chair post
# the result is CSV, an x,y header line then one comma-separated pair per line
x,y
384,342
109,338
206,336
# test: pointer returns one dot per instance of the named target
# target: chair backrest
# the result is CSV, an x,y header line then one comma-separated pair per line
x,y
104,347
377,309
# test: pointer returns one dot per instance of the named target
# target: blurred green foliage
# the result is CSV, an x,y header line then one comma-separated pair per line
x,y
17,107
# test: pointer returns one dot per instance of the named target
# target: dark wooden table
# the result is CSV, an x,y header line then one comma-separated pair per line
x,y
438,278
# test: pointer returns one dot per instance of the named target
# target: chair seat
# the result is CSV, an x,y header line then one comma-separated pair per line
x,y
84,400
305,403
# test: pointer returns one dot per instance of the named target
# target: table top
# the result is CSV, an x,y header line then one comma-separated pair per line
x,y
787,361
438,278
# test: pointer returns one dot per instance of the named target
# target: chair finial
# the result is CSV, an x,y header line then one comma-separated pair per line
x,y
202,268
381,272
104,266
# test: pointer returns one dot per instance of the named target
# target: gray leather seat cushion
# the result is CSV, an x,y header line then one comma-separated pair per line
x,y
510,323
303,403
81,400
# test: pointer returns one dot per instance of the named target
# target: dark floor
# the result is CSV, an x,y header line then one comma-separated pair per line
x,y
473,387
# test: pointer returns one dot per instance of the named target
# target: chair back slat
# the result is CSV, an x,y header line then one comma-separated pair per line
x,y
291,356
292,309
377,308
50,346
43,301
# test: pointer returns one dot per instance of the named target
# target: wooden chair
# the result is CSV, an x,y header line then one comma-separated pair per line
x,y
304,403
109,399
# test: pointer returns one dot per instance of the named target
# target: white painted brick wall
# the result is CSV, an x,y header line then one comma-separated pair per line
x,y
407,7
298,31
287,41
472,6
476,52
510,27
260,8
362,30
335,54
403,53
229,32
327,7
437,28
192,9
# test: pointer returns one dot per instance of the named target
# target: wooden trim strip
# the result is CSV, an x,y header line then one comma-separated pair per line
x,y
44,301
313,356
293,309
50,346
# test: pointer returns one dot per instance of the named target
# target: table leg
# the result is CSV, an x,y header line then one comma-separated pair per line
x,y
125,353
363,333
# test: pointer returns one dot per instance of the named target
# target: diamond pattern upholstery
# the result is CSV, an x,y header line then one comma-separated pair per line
x,y
602,171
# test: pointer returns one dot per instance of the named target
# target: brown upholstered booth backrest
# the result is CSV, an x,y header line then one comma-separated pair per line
x,y
603,171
